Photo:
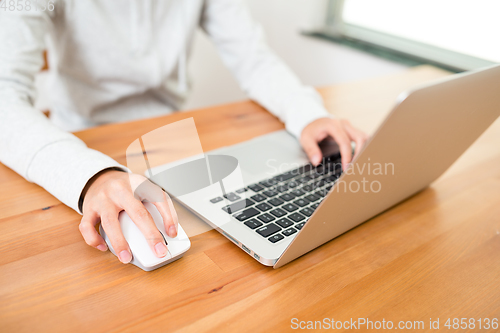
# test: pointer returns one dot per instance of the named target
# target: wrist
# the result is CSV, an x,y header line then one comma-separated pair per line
x,y
92,180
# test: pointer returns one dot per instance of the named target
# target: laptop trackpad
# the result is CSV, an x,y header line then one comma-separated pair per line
x,y
267,155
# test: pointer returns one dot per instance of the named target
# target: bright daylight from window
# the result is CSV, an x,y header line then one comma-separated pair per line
x,y
463,26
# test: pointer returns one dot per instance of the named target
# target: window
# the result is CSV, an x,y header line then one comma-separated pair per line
x,y
461,34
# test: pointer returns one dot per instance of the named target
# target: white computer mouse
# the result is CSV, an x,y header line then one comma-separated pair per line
x,y
142,255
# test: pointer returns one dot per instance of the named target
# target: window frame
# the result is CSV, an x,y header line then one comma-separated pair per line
x,y
336,28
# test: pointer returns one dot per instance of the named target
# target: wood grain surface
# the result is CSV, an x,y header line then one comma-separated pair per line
x,y
436,255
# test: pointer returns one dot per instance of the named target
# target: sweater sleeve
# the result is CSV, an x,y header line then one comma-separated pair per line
x,y
260,73
29,143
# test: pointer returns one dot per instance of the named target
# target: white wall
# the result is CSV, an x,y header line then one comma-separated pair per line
x,y
316,62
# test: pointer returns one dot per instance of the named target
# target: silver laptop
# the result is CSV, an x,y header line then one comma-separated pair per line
x,y
265,197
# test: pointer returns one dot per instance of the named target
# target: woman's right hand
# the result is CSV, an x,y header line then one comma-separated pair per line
x,y
110,192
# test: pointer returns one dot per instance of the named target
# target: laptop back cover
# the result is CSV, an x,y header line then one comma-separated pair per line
x,y
425,133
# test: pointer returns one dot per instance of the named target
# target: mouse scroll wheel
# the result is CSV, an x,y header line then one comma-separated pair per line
x,y
165,243
164,238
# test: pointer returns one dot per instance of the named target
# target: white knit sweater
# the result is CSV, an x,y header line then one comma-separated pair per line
x,y
119,60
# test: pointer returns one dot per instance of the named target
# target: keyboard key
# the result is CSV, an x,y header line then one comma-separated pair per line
x,y
278,212
255,188
332,167
241,190
253,223
268,230
313,207
289,232
266,218
284,176
315,175
333,178
307,188
231,196
323,182
246,214
293,184
321,169
264,206
304,179
215,200
287,197
321,193
338,165
300,225
270,193
290,207
258,197
328,167
282,188
306,168
275,202
296,217
232,208
276,238
272,181
285,223
312,197
327,179
298,192
301,202
318,169
319,183
334,158
268,182
297,172
307,211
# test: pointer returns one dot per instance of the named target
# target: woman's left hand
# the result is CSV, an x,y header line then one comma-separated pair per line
x,y
340,130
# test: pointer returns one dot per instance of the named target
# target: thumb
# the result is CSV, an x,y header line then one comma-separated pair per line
x,y
312,149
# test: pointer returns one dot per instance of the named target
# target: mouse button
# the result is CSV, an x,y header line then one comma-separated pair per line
x,y
137,242
181,234
162,235
179,244
141,251
178,247
133,235
155,214
147,258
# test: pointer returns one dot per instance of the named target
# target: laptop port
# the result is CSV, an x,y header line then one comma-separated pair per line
x,y
256,256
245,248
231,238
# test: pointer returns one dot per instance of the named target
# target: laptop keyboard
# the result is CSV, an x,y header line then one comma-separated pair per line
x,y
278,207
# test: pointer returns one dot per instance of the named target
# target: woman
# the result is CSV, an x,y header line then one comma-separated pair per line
x,y
123,60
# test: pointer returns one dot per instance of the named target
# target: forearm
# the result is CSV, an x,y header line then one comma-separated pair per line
x,y
272,84
260,73
29,143
42,153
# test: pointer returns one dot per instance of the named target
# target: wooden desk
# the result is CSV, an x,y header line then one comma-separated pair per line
x,y
436,255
